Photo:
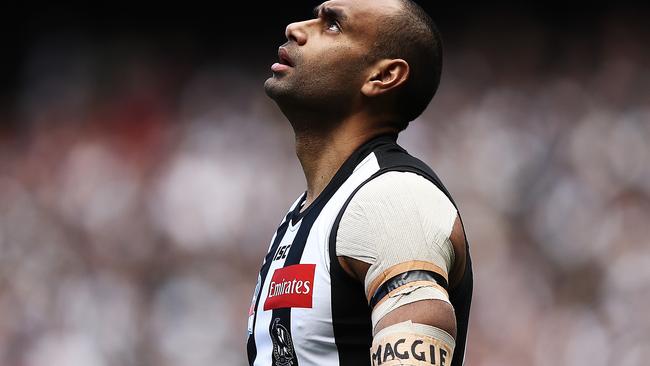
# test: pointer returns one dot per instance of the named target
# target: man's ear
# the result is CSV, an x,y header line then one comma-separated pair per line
x,y
386,75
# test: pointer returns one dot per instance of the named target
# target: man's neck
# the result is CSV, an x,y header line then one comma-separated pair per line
x,y
322,154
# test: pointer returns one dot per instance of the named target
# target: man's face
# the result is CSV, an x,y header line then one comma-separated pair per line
x,y
323,64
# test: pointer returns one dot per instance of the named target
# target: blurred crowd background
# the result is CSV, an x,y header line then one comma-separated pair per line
x,y
143,172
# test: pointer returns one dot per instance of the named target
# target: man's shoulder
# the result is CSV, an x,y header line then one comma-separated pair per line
x,y
398,187
394,157
390,180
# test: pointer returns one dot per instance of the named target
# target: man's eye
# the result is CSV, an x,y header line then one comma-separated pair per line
x,y
333,26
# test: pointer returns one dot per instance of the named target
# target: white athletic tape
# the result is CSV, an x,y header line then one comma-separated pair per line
x,y
397,219
405,296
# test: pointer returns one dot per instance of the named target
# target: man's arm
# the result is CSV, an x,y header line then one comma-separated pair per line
x,y
408,296
432,312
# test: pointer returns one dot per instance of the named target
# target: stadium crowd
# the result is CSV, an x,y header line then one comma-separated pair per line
x,y
139,190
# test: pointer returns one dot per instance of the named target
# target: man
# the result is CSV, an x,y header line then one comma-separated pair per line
x,y
370,266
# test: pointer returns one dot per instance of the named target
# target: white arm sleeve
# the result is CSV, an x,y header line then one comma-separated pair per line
x,y
397,218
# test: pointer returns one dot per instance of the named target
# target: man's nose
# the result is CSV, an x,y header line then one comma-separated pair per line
x,y
296,32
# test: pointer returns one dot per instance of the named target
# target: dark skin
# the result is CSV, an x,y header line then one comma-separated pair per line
x,y
335,100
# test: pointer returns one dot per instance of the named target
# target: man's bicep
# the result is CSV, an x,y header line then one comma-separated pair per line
x,y
435,313
419,329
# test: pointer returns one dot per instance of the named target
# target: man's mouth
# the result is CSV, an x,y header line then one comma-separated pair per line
x,y
284,61
283,56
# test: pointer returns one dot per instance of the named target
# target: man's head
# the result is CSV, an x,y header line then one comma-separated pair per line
x,y
380,57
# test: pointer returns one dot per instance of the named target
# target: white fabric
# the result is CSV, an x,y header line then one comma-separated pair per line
x,y
395,218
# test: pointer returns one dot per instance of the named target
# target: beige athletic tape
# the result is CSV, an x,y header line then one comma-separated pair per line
x,y
409,343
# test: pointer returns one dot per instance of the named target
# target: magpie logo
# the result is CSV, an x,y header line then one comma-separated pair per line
x,y
283,352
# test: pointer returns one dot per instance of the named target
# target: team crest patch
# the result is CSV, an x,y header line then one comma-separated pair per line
x,y
283,351
291,287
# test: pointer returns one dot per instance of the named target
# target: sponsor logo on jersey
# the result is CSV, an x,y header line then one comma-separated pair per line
x,y
291,287
283,352
282,252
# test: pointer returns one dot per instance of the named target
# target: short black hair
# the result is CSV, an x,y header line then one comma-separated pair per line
x,y
411,35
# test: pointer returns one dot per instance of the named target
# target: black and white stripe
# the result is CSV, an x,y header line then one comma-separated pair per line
x,y
337,330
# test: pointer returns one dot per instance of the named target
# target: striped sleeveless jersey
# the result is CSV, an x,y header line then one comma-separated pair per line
x,y
306,310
